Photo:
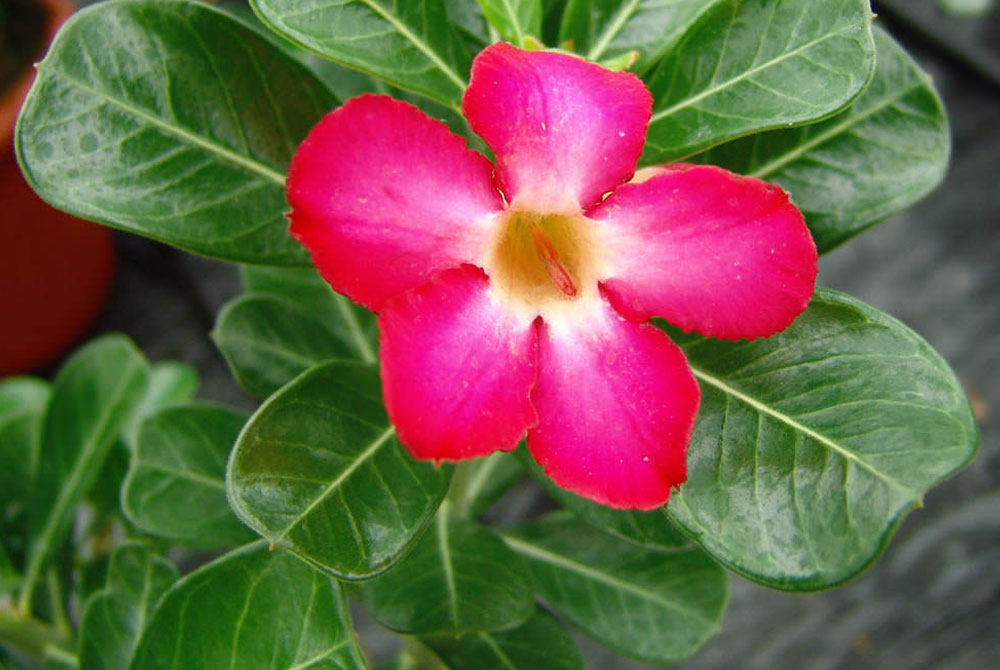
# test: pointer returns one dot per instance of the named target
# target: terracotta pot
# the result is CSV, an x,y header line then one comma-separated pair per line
x,y
55,270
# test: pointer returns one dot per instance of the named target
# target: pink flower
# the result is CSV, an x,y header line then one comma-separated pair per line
x,y
515,300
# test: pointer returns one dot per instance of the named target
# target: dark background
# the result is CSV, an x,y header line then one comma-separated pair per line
x,y
933,600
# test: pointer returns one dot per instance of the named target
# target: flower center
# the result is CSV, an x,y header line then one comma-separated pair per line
x,y
542,261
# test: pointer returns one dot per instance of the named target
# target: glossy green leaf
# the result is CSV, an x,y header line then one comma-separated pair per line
x,y
413,656
93,397
851,171
9,577
347,83
92,572
252,609
301,286
304,288
489,480
604,29
22,405
514,19
22,394
104,493
751,65
318,470
467,17
59,659
651,605
812,445
176,486
652,530
141,104
170,383
408,44
541,642
459,578
268,341
114,618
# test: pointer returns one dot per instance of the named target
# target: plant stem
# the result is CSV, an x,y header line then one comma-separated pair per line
x,y
25,634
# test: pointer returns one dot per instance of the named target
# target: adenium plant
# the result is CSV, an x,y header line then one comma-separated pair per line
x,y
605,251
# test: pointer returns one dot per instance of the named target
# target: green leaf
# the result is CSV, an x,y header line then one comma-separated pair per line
x,y
851,171
413,656
93,397
460,578
301,286
9,578
142,103
811,445
170,383
22,394
541,642
467,17
514,19
306,289
176,485
318,470
22,405
408,44
751,65
59,659
655,606
253,610
606,29
651,530
114,618
490,479
268,341
104,493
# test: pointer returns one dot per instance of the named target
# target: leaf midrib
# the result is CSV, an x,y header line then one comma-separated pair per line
x,y
497,651
834,446
552,558
354,327
178,131
514,21
624,13
325,654
405,31
417,42
191,476
828,134
368,452
67,491
446,564
711,90
276,350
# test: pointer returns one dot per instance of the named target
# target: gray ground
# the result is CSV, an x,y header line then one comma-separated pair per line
x,y
933,600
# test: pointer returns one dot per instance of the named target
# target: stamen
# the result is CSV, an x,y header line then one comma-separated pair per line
x,y
560,277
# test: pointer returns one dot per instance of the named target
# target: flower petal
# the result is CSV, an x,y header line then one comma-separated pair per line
x,y
383,197
708,250
456,368
616,403
565,131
